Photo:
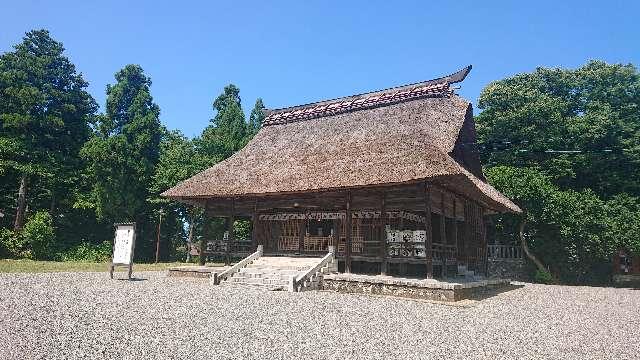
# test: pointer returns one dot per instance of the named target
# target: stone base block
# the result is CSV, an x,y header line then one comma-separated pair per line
x,y
428,289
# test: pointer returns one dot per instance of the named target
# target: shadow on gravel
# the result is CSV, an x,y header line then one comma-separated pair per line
x,y
483,294
132,279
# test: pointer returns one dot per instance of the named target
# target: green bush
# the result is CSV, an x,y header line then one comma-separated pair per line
x,y
543,277
38,232
12,244
87,252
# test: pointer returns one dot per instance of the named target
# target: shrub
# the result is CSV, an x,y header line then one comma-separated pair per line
x,y
38,232
12,244
543,277
87,252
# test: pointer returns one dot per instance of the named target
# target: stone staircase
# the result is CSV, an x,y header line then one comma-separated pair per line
x,y
272,272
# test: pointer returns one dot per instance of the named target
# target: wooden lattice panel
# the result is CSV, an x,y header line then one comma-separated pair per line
x,y
317,243
289,235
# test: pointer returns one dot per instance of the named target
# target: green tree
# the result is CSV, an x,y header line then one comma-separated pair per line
x,y
179,160
256,118
227,132
579,207
124,151
45,117
590,109
574,232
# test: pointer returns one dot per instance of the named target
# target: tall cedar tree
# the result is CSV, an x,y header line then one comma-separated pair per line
x,y
256,118
45,115
124,151
227,132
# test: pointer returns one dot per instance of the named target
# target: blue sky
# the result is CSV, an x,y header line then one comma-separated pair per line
x,y
297,52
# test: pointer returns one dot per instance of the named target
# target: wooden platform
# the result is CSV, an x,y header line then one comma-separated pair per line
x,y
194,271
427,289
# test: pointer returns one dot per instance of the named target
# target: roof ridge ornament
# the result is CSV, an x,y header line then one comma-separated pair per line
x,y
431,88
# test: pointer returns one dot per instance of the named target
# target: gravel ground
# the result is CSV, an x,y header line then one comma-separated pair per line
x,y
86,315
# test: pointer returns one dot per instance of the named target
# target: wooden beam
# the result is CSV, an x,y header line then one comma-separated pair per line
x,y
443,234
428,240
203,240
230,229
384,265
254,227
455,229
347,248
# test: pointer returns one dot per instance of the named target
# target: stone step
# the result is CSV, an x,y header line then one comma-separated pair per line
x,y
273,272
270,267
259,281
287,261
256,285
253,270
264,276
281,266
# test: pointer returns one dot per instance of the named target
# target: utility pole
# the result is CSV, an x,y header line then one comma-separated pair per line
x,y
158,241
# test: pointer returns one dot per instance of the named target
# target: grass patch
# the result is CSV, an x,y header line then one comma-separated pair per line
x,y
31,266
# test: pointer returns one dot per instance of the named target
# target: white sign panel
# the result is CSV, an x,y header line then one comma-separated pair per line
x,y
123,245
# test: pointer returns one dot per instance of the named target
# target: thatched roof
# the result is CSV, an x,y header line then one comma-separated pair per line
x,y
393,136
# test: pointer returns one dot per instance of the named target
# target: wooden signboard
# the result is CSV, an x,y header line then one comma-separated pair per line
x,y
123,245
406,243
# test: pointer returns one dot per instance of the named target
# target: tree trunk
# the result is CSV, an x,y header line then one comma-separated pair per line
x,y
528,252
22,204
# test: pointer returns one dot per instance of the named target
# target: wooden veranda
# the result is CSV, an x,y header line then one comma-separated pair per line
x,y
399,229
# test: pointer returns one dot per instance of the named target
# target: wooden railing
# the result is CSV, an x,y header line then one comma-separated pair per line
x,y
219,247
504,252
444,252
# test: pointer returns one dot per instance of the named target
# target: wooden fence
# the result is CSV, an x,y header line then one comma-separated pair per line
x,y
504,252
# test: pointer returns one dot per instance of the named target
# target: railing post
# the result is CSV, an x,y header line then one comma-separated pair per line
x,y
292,286
333,265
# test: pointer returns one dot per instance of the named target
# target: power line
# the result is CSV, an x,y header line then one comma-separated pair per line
x,y
497,146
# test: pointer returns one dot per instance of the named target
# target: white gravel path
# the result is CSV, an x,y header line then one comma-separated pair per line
x,y
86,315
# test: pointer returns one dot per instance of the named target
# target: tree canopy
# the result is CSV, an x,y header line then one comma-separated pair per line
x,y
45,117
593,111
124,150
564,144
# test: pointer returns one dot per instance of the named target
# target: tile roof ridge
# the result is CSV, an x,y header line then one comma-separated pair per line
x,y
431,88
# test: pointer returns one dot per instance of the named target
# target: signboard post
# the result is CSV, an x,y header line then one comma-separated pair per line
x,y
123,245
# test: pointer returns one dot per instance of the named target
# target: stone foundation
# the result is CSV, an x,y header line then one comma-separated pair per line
x,y
427,289
516,269
202,272
632,280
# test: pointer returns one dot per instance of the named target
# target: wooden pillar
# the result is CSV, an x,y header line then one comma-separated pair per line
x,y
455,228
443,234
302,229
203,240
428,240
384,266
230,228
347,248
483,230
254,227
